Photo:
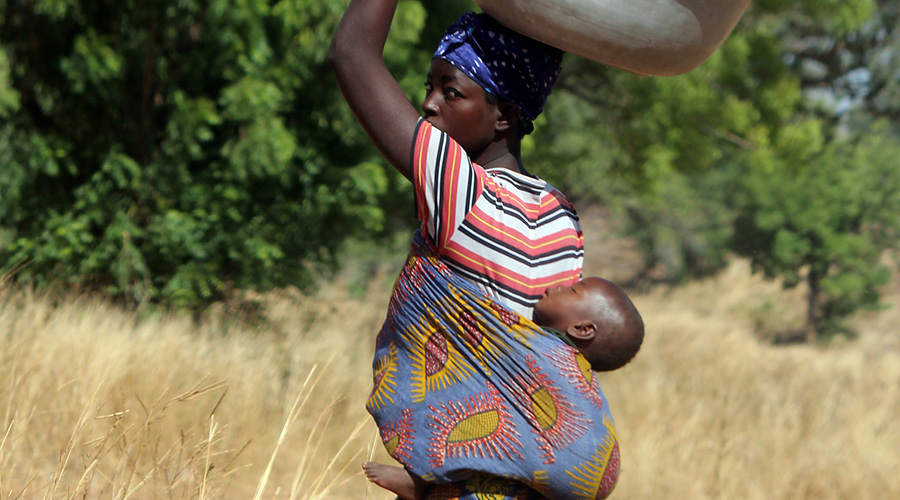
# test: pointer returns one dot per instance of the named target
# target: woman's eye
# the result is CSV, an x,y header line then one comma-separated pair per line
x,y
428,88
452,93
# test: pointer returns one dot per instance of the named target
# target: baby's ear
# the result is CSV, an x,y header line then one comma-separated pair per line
x,y
582,331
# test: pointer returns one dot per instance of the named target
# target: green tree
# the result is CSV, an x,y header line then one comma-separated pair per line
x,y
660,150
173,151
772,148
824,214
826,222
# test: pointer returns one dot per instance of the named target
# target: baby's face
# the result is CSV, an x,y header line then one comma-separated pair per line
x,y
563,306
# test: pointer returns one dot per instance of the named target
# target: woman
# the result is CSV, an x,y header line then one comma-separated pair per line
x,y
485,217
525,235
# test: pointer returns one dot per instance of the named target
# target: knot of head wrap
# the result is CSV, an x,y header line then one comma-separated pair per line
x,y
505,63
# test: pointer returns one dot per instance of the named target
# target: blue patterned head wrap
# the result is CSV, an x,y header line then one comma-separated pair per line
x,y
505,63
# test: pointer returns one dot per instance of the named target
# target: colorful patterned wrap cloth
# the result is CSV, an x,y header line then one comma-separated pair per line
x,y
464,388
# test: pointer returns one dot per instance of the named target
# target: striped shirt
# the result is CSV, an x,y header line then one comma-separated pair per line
x,y
512,234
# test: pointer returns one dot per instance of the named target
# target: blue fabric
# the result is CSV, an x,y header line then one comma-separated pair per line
x,y
510,65
465,388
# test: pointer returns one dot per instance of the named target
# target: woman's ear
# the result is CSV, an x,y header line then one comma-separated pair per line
x,y
509,116
582,331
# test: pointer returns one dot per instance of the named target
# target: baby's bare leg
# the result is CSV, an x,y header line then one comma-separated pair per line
x,y
395,479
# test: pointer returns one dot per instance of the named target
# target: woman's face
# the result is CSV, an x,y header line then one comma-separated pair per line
x,y
457,105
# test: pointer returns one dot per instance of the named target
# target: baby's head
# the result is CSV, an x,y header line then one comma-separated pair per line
x,y
598,317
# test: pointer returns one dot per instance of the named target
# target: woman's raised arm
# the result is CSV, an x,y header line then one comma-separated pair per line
x,y
356,56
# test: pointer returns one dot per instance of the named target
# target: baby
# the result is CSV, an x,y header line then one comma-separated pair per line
x,y
594,316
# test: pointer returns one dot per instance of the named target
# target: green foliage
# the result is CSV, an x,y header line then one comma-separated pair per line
x,y
660,150
173,151
826,222
881,60
750,151
9,98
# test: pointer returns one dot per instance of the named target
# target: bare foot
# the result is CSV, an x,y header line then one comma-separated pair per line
x,y
395,479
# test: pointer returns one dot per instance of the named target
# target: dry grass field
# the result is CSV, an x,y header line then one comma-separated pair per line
x,y
100,403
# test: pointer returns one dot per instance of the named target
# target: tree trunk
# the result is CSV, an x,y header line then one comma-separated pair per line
x,y
813,314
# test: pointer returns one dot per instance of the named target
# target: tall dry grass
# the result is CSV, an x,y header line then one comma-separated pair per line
x,y
96,402
99,403
707,410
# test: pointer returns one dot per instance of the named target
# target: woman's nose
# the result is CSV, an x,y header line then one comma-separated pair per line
x,y
429,106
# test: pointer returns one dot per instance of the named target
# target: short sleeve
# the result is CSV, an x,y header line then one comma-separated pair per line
x,y
445,181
